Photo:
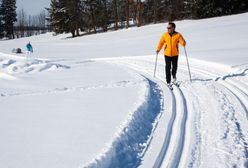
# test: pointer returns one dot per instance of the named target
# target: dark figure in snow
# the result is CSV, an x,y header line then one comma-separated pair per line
x,y
170,41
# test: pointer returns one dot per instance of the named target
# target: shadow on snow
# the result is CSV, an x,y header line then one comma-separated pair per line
x,y
127,149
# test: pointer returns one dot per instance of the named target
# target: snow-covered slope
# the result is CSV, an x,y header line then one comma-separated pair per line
x,y
93,101
222,40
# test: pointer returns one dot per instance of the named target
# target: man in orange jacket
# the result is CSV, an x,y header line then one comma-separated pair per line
x,y
170,41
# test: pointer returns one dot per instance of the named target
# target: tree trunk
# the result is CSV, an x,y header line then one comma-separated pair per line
x,y
105,26
77,31
155,10
138,17
116,14
93,18
73,33
127,14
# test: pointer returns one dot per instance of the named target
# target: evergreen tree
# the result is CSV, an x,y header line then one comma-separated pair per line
x,y
56,16
66,16
1,28
91,13
115,13
211,8
150,11
8,17
127,12
97,14
227,7
102,13
73,15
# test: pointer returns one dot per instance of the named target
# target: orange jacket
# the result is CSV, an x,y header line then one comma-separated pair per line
x,y
171,44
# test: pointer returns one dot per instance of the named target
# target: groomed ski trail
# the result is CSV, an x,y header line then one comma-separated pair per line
x,y
179,147
172,149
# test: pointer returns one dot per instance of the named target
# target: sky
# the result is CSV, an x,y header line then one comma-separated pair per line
x,y
32,7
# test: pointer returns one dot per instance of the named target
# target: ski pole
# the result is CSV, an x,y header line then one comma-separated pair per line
x,y
155,66
188,64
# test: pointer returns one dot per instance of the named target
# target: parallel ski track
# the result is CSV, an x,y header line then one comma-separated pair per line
x,y
175,136
238,90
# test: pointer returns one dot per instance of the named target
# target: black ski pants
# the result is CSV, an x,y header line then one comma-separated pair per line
x,y
168,62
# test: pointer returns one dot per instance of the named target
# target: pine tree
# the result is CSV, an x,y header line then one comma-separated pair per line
x,y
127,12
1,26
200,8
90,12
97,14
227,7
66,16
56,16
1,29
211,8
8,17
75,17
189,8
150,12
102,14
115,13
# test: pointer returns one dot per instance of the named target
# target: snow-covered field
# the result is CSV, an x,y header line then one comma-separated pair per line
x,y
93,101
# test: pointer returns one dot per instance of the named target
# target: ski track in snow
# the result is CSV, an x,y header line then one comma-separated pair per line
x,y
177,124
233,132
179,148
128,147
171,151
119,84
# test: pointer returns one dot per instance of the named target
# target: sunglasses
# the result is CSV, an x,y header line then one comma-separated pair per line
x,y
169,27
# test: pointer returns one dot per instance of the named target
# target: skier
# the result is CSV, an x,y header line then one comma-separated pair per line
x,y
170,40
29,49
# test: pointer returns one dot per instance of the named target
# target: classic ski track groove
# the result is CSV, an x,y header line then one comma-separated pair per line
x,y
236,89
178,99
230,85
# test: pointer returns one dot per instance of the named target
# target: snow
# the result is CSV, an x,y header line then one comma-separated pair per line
x,y
92,101
48,114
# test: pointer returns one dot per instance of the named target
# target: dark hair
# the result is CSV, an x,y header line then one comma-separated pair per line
x,y
172,24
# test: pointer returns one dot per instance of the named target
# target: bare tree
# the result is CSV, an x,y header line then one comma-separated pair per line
x,y
21,23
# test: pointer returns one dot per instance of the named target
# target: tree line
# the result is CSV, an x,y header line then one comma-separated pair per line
x,y
16,25
29,25
101,15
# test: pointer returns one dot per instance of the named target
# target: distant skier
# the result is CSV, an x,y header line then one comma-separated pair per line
x,y
29,49
170,40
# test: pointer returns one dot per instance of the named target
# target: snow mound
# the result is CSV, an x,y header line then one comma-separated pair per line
x,y
12,65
